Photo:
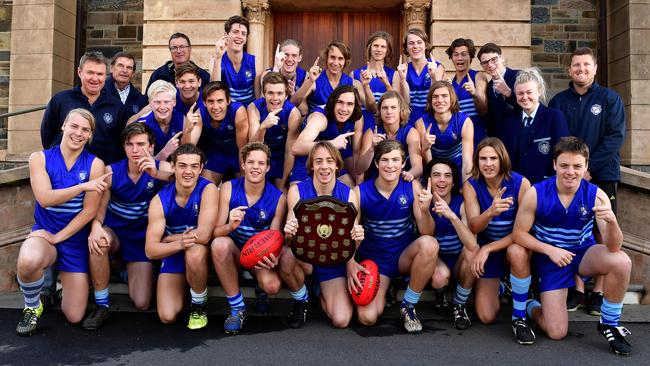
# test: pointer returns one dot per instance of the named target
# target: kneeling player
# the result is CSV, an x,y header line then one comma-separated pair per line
x,y
247,206
323,162
121,222
457,243
560,213
391,215
181,220
67,182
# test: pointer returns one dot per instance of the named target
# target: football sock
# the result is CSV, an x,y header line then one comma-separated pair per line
x,y
610,313
300,295
32,292
461,295
531,305
101,297
411,297
236,302
199,298
520,288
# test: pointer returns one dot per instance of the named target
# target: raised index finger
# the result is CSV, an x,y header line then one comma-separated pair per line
x,y
347,134
438,198
501,192
400,60
429,128
106,175
276,111
277,49
316,62
240,208
192,108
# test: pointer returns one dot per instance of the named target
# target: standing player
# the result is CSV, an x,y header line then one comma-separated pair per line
x,y
414,80
392,211
223,130
457,242
67,182
469,85
247,205
234,67
340,118
491,200
501,102
121,221
181,220
560,212
376,78
276,122
392,124
323,162
320,85
445,130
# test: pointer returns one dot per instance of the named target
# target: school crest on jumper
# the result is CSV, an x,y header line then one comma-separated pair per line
x,y
584,212
83,175
135,109
150,184
544,147
196,208
596,109
108,118
262,214
249,75
402,200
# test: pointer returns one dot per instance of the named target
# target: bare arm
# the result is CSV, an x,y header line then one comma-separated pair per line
x,y
155,247
467,134
207,215
256,133
223,227
415,155
292,134
607,223
241,129
480,97
421,207
316,123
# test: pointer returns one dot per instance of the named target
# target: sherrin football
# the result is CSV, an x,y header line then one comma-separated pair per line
x,y
369,283
259,246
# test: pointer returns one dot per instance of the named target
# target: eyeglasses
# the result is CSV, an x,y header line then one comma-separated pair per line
x,y
492,61
178,48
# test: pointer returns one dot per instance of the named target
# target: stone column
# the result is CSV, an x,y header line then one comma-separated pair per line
x,y
256,12
42,63
415,14
628,57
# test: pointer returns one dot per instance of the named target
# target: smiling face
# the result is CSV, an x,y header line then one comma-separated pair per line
x,y
442,179
187,170
162,106
188,85
570,168
527,96
292,59
488,162
492,63
441,100
335,61
92,75
217,105
460,58
236,38
390,165
275,95
416,47
122,70
582,70
324,166
76,132
344,107
255,166
180,50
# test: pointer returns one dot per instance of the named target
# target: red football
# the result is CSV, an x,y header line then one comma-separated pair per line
x,y
259,246
369,283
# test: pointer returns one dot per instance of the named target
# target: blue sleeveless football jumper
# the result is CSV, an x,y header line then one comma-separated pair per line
x,y
446,235
401,136
449,143
276,137
378,89
241,83
323,89
127,211
567,228
72,253
162,138
257,217
500,226
341,192
178,219
418,89
333,129
388,224
467,106
183,108
220,143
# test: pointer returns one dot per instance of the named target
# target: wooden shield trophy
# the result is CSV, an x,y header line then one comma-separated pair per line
x,y
324,226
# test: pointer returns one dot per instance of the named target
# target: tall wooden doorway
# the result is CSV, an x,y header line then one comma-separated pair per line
x,y
316,29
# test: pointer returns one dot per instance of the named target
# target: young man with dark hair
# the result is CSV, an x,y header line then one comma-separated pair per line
x,y
555,221
180,49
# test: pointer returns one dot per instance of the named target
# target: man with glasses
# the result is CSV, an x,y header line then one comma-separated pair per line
x,y
501,101
180,49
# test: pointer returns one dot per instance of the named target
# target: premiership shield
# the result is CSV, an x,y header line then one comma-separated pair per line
x,y
324,226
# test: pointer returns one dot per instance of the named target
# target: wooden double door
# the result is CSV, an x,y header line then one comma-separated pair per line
x,y
316,29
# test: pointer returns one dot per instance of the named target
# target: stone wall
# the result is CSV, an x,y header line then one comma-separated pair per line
x,y
558,27
116,25
5,46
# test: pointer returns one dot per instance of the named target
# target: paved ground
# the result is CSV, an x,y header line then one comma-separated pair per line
x,y
139,338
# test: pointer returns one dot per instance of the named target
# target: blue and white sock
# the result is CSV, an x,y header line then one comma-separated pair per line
x,y
236,303
520,287
199,298
610,312
300,295
461,295
101,298
532,305
411,297
32,292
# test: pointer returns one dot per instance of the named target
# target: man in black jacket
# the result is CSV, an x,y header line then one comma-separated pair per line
x,y
119,83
